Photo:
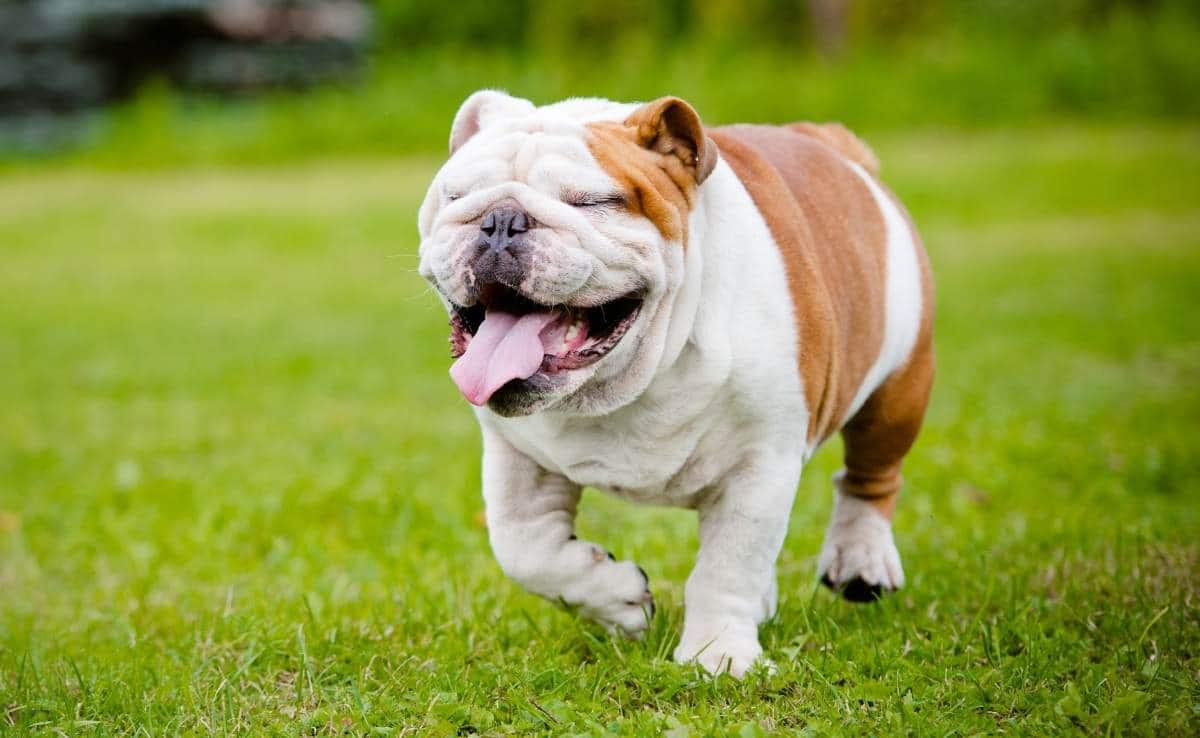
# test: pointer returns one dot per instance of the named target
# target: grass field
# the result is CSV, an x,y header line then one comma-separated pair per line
x,y
239,494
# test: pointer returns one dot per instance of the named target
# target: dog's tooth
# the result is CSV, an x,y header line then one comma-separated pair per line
x,y
573,331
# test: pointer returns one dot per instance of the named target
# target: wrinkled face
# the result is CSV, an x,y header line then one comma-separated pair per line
x,y
555,239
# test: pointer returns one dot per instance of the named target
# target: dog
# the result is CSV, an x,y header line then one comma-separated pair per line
x,y
678,315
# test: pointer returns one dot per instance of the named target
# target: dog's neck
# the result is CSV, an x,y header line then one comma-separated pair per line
x,y
698,264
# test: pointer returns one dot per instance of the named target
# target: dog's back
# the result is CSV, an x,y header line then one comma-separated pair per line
x,y
858,276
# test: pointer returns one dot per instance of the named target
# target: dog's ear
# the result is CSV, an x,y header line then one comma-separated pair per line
x,y
480,109
672,127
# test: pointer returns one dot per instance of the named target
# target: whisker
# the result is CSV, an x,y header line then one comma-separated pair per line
x,y
422,295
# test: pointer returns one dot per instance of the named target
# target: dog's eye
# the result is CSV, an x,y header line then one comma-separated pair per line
x,y
585,200
452,196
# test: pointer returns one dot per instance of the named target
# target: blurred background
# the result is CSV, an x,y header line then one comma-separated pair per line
x,y
154,81
239,492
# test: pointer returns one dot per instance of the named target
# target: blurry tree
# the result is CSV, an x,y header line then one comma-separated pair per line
x,y
883,62
828,26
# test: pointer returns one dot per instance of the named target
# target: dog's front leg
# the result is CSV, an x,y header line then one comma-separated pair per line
x,y
732,587
531,525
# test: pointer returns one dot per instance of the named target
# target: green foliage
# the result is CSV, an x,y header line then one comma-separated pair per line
x,y
238,493
944,66
548,26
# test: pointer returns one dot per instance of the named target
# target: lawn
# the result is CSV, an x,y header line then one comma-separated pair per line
x,y
239,494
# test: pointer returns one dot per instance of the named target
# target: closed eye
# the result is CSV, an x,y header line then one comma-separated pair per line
x,y
593,200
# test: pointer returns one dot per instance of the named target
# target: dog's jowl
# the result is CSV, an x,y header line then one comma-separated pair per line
x,y
678,315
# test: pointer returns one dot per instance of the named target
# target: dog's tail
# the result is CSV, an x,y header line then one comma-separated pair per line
x,y
840,139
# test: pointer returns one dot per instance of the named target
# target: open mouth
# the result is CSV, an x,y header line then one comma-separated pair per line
x,y
506,336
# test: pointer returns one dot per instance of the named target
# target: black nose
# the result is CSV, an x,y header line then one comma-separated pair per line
x,y
502,226
501,253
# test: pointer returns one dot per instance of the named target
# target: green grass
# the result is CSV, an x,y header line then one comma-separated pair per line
x,y
238,493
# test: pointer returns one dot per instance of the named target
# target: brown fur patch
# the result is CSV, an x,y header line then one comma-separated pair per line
x,y
884,429
656,186
671,127
833,241
659,155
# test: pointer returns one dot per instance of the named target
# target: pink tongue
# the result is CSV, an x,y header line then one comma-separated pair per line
x,y
506,347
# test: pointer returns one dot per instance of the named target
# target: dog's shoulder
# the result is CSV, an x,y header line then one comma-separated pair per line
x,y
808,157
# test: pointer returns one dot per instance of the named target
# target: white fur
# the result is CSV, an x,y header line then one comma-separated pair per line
x,y
859,544
718,429
700,405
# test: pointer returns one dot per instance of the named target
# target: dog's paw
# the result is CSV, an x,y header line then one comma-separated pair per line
x,y
615,594
723,650
859,558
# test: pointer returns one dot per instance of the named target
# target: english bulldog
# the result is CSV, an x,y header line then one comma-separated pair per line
x,y
678,315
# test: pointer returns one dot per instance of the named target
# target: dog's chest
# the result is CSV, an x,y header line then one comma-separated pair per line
x,y
655,457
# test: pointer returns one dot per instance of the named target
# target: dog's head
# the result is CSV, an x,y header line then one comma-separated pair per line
x,y
555,237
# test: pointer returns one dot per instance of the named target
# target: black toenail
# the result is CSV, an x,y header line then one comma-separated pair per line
x,y
610,556
856,590
573,537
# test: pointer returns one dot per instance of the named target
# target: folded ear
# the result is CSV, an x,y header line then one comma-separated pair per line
x,y
672,127
482,108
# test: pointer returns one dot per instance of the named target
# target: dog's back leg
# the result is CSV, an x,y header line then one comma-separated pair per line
x,y
859,557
